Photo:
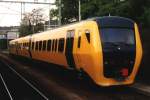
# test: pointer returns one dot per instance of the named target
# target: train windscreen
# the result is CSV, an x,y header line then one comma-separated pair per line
x,y
116,36
118,45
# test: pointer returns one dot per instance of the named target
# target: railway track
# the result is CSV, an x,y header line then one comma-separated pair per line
x,y
16,87
63,85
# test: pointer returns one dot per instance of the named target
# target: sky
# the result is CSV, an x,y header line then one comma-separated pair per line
x,y
10,13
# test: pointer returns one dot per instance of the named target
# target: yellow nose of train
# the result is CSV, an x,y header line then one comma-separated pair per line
x,y
120,51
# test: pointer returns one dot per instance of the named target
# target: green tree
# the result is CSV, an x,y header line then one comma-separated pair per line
x,y
69,11
32,22
138,10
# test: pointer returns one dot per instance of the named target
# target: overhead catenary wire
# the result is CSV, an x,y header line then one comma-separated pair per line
x,y
23,10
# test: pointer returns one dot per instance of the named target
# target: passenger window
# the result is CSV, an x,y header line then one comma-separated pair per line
x,y
53,45
44,45
56,45
40,45
32,45
49,45
20,46
61,45
36,45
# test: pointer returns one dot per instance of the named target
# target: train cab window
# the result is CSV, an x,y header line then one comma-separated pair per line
x,y
55,45
44,45
87,33
49,45
79,39
36,45
40,45
61,45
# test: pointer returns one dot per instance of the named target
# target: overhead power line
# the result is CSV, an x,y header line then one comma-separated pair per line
x,y
36,2
9,13
28,2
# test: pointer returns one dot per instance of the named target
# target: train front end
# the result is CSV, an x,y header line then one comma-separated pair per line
x,y
121,50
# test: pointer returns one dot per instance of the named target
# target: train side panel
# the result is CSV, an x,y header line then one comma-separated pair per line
x,y
139,53
87,54
51,56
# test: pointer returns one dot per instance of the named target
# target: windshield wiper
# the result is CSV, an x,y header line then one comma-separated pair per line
x,y
123,43
110,43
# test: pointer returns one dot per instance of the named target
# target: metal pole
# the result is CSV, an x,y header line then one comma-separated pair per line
x,y
44,26
21,11
49,17
33,29
7,42
24,8
79,10
59,22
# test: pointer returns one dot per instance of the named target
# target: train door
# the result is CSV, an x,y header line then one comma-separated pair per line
x,y
78,50
83,47
69,48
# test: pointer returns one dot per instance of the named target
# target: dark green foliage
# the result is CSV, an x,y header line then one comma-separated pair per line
x,y
3,44
25,30
69,11
138,10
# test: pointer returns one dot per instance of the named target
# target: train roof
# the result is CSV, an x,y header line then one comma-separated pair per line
x,y
110,18
114,21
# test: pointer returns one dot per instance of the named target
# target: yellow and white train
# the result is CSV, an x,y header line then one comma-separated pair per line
x,y
107,49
